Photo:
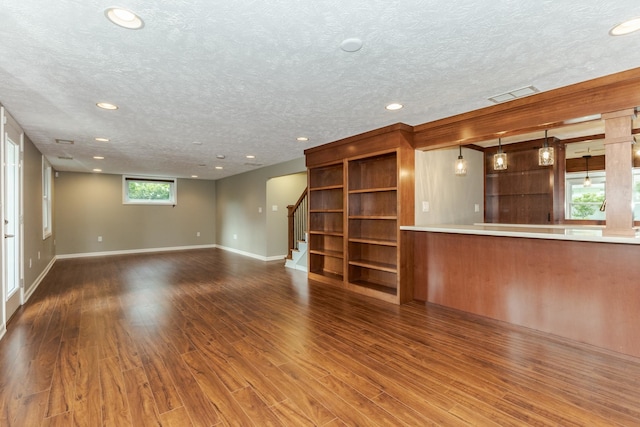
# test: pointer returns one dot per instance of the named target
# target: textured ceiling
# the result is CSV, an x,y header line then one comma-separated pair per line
x,y
248,77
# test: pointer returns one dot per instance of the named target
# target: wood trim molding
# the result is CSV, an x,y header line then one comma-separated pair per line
x,y
545,110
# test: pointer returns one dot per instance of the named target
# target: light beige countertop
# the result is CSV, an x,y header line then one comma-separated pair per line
x,y
551,232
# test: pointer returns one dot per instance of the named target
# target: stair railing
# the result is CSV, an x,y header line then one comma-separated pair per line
x,y
297,215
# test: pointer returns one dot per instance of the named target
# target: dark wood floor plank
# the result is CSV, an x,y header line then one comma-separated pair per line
x,y
115,406
201,412
61,420
290,415
211,348
31,410
209,338
230,411
87,407
164,391
178,417
298,393
140,399
255,408
359,402
62,392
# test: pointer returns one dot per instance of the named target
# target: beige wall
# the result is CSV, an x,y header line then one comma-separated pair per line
x,y
281,191
90,205
240,226
36,250
451,198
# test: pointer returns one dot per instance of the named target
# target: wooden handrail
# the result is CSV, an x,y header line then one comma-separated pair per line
x,y
296,228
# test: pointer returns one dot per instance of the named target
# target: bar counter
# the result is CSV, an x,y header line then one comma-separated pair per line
x,y
553,232
568,281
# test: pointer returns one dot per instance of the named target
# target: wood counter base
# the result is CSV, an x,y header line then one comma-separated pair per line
x,y
585,291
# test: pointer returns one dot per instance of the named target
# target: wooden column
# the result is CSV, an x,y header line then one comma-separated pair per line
x,y
618,165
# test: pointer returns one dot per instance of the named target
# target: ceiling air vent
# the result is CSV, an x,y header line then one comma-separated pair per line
x,y
64,141
513,94
65,157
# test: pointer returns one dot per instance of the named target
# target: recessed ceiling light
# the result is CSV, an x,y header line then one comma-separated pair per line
x,y
626,27
351,45
102,139
98,157
394,106
197,143
250,156
221,156
194,176
219,167
124,18
97,170
302,138
107,106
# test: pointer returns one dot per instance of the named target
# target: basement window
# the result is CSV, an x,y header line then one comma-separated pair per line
x,y
148,191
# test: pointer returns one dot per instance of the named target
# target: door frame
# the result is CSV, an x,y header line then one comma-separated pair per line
x,y
7,121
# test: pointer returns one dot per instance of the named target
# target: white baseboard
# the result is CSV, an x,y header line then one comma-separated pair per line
x,y
134,251
254,256
37,282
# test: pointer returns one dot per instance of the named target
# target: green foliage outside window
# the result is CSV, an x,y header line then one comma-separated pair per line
x,y
586,205
141,190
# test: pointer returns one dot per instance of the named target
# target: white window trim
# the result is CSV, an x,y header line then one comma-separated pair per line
x,y
597,177
173,194
47,199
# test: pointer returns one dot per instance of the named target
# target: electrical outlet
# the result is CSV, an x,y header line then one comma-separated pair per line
x,y
260,209
476,207
425,206
198,234
99,238
235,237
274,208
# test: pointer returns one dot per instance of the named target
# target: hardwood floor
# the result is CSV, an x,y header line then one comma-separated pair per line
x,y
205,338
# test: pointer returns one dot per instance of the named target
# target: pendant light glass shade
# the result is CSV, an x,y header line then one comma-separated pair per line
x,y
500,158
545,154
587,180
461,164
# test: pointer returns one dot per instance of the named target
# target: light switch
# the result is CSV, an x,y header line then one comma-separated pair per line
x,y
274,208
476,207
425,206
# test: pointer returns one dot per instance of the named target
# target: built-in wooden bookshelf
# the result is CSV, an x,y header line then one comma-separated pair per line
x,y
326,221
373,208
361,191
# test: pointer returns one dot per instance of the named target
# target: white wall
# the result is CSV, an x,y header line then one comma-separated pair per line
x,y
451,198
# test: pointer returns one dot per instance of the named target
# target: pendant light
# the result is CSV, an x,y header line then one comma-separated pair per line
x,y
587,180
545,154
500,158
461,164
